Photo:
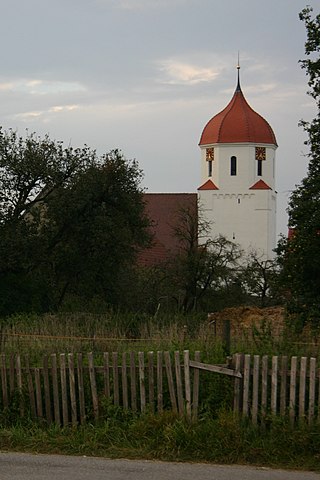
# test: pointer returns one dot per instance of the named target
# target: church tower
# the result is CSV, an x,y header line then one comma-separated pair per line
x,y
237,194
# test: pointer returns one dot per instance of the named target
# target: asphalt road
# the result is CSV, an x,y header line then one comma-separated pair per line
x,y
18,466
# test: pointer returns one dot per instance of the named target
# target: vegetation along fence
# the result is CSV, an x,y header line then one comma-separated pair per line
x,y
72,388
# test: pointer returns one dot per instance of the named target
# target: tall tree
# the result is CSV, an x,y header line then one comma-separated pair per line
x,y
299,256
202,264
70,223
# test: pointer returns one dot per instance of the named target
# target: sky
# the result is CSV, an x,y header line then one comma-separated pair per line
x,y
145,76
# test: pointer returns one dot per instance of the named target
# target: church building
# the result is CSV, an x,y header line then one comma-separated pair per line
x,y
237,195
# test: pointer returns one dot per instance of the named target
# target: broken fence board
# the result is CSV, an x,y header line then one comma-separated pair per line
x,y
216,368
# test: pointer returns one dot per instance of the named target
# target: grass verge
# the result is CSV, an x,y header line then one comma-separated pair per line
x,y
224,439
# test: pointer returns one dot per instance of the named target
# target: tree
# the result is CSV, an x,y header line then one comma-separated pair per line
x,y
202,265
299,256
70,223
258,277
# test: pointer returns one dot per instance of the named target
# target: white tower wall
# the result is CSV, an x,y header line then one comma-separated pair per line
x,y
241,213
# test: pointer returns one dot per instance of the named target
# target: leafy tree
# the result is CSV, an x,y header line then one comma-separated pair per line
x,y
299,256
202,266
259,278
70,223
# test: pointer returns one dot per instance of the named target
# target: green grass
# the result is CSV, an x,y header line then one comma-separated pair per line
x,y
38,335
224,439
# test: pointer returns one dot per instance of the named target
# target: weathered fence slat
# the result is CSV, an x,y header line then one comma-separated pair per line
x,y
82,411
19,383
106,374
46,387
30,388
64,391
246,385
167,361
196,384
179,382
264,386
274,385
293,383
237,383
38,392
55,388
159,382
72,386
11,374
93,384
255,388
133,382
283,386
312,389
187,382
115,370
4,381
124,379
151,381
142,382
302,387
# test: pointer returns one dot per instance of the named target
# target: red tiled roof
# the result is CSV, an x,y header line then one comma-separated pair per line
x,y
260,185
164,209
237,123
208,185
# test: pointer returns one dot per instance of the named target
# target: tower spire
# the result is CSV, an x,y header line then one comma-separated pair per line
x,y
238,89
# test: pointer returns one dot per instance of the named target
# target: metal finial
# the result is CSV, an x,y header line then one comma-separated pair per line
x,y
238,64
238,68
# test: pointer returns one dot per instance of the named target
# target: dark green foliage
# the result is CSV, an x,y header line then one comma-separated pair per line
x,y
71,225
299,257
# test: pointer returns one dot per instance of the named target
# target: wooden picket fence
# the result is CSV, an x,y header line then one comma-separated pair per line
x,y
277,386
67,389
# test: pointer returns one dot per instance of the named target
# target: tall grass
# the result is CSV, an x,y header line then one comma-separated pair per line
x,y
223,439
112,331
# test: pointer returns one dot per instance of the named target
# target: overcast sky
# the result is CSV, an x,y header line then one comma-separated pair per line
x,y
145,76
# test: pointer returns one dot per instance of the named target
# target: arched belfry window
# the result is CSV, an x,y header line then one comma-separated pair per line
x,y
233,165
